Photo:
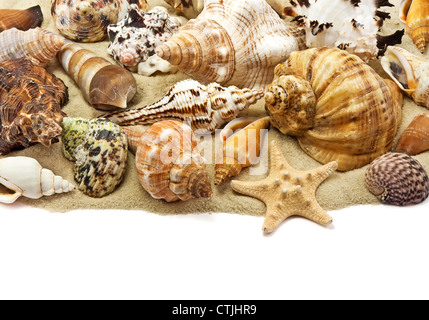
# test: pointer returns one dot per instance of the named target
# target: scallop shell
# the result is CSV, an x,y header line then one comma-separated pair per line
x,y
87,20
206,108
30,105
188,8
397,179
37,45
104,85
415,138
24,176
357,113
168,162
21,19
232,43
415,14
99,149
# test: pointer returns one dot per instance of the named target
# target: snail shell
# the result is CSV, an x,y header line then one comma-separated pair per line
x,y
188,8
415,138
397,179
415,14
21,19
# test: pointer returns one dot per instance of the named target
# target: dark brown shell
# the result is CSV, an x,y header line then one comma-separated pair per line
x,y
30,105
21,19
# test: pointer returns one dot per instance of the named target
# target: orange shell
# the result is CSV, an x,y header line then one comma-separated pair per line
x,y
415,138
21,19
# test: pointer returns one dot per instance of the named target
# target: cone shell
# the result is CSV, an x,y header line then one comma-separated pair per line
x,y
21,19
397,179
99,149
415,138
415,13
169,164
357,112
188,8
37,45
104,85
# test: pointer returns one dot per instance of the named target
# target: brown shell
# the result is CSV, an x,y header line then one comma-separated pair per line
x,y
30,105
415,14
415,138
21,19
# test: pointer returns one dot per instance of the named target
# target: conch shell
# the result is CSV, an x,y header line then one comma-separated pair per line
x,y
415,138
188,8
168,161
356,113
104,85
241,149
26,177
37,45
206,108
232,43
21,19
415,14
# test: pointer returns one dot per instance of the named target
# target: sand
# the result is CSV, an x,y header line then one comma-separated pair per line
x,y
339,191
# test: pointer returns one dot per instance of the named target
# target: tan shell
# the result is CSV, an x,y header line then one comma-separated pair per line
x,y
357,112
415,13
21,19
168,161
188,8
415,138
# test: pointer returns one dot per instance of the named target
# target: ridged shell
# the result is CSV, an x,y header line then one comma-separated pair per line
x,y
87,20
21,19
397,179
37,45
415,138
99,149
104,85
168,162
188,8
206,108
357,112
25,176
232,43
415,14
30,105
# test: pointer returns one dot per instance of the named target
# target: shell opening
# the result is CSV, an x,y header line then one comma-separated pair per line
x,y
399,69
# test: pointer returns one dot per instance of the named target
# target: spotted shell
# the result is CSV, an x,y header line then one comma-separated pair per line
x,y
99,149
397,179
21,19
188,8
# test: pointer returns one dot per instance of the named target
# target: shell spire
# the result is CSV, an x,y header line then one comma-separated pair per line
x,y
415,14
21,19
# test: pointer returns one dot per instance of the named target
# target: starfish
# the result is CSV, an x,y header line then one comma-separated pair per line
x,y
287,191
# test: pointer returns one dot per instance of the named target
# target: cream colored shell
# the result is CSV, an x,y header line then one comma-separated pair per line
x,y
415,14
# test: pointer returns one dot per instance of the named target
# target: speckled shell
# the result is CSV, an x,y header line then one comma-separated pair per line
x,y
99,149
415,14
206,108
104,85
232,43
30,105
21,19
397,179
168,162
134,39
188,8
357,112
87,20
37,45
415,138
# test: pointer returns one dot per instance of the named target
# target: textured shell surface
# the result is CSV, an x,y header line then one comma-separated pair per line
x,y
397,179
205,108
168,161
87,20
21,19
357,113
24,176
232,43
415,138
37,45
134,39
99,149
30,105
415,14
188,8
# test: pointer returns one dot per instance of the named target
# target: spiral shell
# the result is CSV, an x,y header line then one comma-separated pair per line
x,y
415,138
188,8
397,179
21,19
415,14
168,162
99,149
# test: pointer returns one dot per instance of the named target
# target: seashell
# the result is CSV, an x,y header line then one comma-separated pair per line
x,y
134,39
415,14
99,149
168,161
25,176
188,8
348,25
241,149
104,85
87,20
30,105
206,108
397,179
279,6
411,73
232,43
37,45
415,138
21,19
356,115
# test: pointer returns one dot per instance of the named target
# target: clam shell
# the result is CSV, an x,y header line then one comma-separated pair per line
x,y
415,138
415,13
21,19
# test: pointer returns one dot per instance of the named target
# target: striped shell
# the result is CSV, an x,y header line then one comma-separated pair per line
x,y
397,179
99,149
415,138
415,14
356,115
21,19
168,161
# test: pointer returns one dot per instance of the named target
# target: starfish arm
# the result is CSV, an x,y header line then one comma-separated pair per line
x,y
274,217
277,158
320,174
251,188
316,214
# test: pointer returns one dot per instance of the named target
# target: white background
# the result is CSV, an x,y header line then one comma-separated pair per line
x,y
369,252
